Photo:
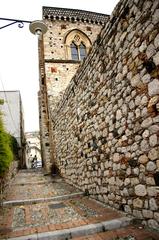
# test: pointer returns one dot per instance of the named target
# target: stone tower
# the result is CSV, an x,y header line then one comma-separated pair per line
x,y
70,35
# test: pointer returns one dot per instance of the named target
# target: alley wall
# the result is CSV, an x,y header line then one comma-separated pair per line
x,y
106,126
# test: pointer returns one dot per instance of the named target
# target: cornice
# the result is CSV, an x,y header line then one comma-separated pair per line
x,y
74,15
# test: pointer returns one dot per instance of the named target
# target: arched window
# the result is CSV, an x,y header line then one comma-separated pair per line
x,y
82,50
77,45
74,51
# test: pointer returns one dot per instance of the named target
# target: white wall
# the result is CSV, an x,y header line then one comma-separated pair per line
x,y
11,113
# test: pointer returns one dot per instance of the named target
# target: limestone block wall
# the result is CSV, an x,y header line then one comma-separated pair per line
x,y
106,125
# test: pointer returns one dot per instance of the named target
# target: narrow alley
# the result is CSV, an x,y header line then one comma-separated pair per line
x,y
39,206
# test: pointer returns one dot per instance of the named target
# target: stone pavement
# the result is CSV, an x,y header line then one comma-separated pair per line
x,y
41,207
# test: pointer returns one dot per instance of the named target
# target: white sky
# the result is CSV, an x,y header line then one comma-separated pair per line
x,y
18,48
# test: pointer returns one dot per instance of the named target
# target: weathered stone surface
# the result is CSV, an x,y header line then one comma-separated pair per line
x,y
147,122
140,190
116,157
156,216
153,204
152,191
150,51
153,224
136,80
157,164
137,203
156,41
150,181
146,134
153,87
155,17
138,214
143,159
128,209
147,213
156,58
151,166
154,129
144,145
153,154
153,140
118,114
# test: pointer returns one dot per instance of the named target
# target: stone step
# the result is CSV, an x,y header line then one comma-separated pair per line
x,y
79,231
126,233
34,183
32,170
39,200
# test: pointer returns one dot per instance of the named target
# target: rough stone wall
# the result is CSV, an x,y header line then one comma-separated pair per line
x,y
106,125
7,179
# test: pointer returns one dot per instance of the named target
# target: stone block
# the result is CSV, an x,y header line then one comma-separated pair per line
x,y
153,87
140,190
147,213
137,203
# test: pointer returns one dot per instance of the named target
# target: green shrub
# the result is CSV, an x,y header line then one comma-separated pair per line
x,y
6,154
14,146
1,101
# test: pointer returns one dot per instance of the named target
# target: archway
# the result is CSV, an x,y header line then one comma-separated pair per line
x,y
33,151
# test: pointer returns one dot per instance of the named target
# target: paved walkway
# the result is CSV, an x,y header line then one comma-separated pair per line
x,y
41,207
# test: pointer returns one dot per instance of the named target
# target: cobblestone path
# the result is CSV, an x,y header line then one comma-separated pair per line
x,y
41,207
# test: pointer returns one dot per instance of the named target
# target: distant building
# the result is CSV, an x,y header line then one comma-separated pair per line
x,y
33,148
13,119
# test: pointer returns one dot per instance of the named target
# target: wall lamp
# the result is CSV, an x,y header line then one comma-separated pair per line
x,y
37,27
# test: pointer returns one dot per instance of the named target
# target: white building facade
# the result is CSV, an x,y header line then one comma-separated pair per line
x,y
13,119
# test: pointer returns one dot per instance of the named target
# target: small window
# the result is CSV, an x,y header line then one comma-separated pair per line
x,y
78,52
74,52
82,49
77,45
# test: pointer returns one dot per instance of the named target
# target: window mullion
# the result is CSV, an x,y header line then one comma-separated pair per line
x,y
79,55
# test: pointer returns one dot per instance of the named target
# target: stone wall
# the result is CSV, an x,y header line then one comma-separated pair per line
x,y
55,45
7,179
44,122
106,126
59,67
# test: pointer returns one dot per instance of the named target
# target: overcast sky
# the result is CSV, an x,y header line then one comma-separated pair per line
x,y
18,48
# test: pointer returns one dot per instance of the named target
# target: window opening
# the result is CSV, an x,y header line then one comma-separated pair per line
x,y
74,52
82,49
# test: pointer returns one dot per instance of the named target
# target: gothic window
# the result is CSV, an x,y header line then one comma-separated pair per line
x,y
74,51
77,45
